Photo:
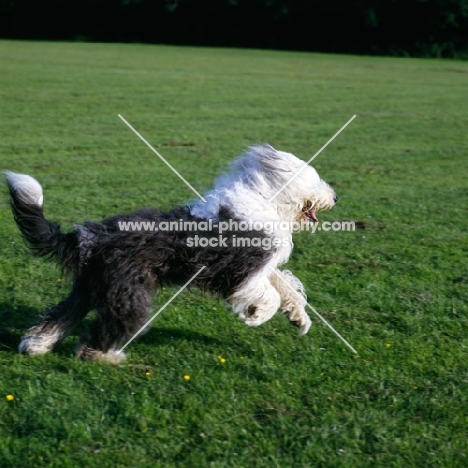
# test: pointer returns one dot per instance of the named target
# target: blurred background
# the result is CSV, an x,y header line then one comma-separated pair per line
x,y
419,28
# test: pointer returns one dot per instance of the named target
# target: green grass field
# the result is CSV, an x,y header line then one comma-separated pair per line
x,y
396,288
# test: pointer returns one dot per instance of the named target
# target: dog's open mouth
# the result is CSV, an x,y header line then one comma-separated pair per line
x,y
309,212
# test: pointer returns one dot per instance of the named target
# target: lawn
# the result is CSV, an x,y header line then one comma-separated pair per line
x,y
396,288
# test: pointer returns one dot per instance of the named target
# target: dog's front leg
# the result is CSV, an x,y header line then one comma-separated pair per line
x,y
256,301
293,299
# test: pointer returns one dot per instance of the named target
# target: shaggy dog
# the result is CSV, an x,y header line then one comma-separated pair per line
x,y
115,270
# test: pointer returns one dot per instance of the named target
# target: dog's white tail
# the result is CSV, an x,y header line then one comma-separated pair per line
x,y
43,237
27,189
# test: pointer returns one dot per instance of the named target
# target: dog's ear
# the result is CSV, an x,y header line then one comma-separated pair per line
x,y
271,159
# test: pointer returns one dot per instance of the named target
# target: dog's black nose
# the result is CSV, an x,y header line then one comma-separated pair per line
x,y
335,198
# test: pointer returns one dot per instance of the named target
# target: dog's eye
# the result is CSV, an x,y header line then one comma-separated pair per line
x,y
307,206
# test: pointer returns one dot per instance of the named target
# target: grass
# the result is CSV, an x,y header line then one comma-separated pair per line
x,y
396,288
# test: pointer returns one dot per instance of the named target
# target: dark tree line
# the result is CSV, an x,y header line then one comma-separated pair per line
x,y
431,28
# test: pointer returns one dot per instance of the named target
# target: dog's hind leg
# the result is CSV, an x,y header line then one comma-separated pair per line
x,y
293,299
117,321
56,324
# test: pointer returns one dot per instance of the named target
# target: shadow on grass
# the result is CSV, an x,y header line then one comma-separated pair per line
x,y
161,336
13,324
154,337
8,341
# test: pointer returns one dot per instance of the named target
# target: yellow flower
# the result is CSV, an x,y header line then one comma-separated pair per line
x,y
147,373
59,280
415,387
9,397
242,357
388,345
222,360
187,377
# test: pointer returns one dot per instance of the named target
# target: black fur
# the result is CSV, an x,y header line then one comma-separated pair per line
x,y
42,236
116,272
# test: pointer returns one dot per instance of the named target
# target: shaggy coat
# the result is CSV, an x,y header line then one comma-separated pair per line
x,y
116,271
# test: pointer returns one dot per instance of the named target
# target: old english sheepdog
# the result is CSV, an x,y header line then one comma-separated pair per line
x,y
116,270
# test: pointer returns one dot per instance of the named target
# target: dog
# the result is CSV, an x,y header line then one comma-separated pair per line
x,y
116,270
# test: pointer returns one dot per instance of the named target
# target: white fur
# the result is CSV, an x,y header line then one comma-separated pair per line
x,y
112,356
293,298
28,189
250,191
39,344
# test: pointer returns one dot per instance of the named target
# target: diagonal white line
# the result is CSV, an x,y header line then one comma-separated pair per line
x,y
167,163
316,313
312,158
161,309
334,331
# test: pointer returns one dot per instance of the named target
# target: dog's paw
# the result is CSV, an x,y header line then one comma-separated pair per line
x,y
256,316
36,345
112,357
303,324
253,321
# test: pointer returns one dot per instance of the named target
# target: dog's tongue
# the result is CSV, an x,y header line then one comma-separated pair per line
x,y
312,215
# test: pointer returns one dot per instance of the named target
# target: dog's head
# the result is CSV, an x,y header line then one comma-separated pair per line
x,y
290,183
